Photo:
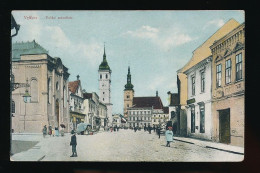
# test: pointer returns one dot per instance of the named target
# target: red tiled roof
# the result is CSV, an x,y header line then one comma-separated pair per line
x,y
174,99
87,95
73,86
166,110
140,102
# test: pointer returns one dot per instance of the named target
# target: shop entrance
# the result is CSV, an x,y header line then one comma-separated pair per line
x,y
224,126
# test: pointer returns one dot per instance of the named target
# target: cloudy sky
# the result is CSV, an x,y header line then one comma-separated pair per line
x,y
154,43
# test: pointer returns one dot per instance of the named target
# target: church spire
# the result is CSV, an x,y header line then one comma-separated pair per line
x,y
129,85
104,55
104,65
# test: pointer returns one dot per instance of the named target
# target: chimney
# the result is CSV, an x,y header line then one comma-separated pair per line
x,y
77,77
156,93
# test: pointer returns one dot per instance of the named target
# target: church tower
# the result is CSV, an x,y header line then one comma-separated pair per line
x,y
128,93
105,85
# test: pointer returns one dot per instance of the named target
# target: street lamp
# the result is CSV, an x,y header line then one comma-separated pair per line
x,y
26,99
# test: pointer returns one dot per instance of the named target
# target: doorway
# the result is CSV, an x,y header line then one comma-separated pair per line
x,y
57,112
224,126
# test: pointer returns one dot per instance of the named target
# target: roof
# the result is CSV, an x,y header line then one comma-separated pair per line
x,y
22,48
87,95
73,86
204,51
139,102
104,65
166,110
174,99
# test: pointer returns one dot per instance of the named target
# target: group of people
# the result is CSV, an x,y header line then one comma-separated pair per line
x,y
115,128
51,131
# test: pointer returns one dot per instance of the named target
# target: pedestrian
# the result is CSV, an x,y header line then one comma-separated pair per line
x,y
50,130
153,129
73,143
53,132
44,131
159,131
149,129
56,131
62,132
111,129
169,136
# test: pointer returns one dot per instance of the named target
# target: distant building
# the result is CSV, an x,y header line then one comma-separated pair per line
x,y
228,87
105,86
96,111
146,111
76,103
48,79
117,120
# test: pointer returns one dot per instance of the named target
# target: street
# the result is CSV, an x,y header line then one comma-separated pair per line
x,y
124,145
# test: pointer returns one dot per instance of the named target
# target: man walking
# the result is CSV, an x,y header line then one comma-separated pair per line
x,y
73,143
159,131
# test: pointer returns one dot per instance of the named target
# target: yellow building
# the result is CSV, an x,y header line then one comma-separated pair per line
x,y
128,93
201,53
228,87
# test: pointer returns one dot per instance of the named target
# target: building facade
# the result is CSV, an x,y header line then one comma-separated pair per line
x,y
139,116
96,111
48,86
76,103
199,54
105,86
228,87
198,109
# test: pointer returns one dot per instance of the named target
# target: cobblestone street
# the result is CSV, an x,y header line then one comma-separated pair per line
x,y
124,145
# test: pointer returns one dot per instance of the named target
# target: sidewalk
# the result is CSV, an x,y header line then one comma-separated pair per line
x,y
213,145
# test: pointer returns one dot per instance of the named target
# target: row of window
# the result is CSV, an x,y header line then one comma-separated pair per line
x,y
228,70
139,118
101,76
139,112
202,85
202,119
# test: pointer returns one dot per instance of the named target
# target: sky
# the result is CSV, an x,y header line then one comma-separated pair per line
x,y
155,44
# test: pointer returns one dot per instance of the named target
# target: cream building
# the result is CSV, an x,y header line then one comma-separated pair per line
x,y
199,119
48,79
228,87
201,53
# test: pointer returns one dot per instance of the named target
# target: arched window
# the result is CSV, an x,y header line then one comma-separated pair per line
x,y
57,86
13,106
101,76
106,76
49,90
34,90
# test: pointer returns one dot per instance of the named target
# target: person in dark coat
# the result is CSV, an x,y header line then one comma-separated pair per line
x,y
159,131
44,131
73,143
149,129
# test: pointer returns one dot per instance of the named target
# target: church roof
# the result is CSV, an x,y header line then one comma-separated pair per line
x,y
104,65
73,86
140,102
23,48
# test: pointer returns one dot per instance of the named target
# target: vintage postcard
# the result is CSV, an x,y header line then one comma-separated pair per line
x,y
149,86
